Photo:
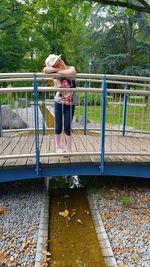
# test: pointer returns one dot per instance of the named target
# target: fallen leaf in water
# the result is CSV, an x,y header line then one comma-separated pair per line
x,y
73,214
79,221
64,213
86,212
74,210
66,196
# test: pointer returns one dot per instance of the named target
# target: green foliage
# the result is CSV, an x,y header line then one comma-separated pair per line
x,y
113,40
120,41
97,197
8,99
92,99
126,200
30,30
11,43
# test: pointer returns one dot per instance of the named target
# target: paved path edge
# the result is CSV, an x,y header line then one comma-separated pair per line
x,y
43,231
102,236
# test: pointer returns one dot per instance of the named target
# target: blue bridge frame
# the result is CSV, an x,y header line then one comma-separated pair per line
x,y
102,169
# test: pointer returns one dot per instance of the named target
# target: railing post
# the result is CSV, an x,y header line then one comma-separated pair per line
x,y
85,108
43,109
0,121
36,124
103,120
124,111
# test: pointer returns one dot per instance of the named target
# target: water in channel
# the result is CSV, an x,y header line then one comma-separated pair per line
x,y
72,237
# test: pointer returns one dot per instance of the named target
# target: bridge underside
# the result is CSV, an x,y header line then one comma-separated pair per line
x,y
111,169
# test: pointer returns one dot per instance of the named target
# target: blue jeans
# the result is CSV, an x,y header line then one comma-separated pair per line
x,y
63,113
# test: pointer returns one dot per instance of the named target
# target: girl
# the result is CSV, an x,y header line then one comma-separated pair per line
x,y
64,101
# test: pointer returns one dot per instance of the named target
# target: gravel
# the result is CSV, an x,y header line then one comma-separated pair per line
x,y
20,205
125,212
124,206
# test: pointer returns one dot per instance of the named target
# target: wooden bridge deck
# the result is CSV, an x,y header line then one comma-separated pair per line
x,y
19,145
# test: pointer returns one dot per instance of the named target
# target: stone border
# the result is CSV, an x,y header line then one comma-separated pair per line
x,y
103,240
43,230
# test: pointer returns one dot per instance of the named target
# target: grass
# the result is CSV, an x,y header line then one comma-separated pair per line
x,y
137,117
126,200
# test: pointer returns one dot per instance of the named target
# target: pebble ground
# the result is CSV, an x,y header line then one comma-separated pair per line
x,y
124,206
125,211
20,205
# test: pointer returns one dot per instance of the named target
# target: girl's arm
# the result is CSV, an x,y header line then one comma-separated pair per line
x,y
68,72
49,70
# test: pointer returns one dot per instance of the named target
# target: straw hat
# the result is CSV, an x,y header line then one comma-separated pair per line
x,y
51,59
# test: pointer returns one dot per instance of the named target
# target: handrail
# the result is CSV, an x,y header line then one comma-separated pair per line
x,y
79,75
77,79
77,89
37,86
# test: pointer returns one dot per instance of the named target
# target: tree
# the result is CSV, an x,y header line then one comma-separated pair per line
x,y
11,43
120,42
138,5
30,30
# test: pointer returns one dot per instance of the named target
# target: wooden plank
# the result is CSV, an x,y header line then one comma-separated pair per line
x,y
1,142
90,143
24,140
44,148
16,151
85,146
32,161
134,145
53,160
64,159
6,142
80,147
8,149
74,159
94,146
26,150
116,144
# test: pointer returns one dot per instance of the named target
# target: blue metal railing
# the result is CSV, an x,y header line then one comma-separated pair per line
x,y
103,120
116,106
0,121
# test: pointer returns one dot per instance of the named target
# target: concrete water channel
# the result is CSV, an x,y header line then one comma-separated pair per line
x,y
72,236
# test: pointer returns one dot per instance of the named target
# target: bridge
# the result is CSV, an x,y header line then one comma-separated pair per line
x,y
111,127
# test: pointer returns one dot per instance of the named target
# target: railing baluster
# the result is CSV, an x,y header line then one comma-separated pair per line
x,y
85,108
103,120
43,109
36,123
124,111
0,121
